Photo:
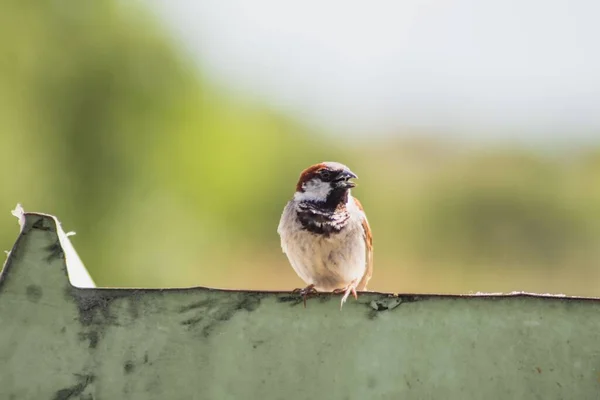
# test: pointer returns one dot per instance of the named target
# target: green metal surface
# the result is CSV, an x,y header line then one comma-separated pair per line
x,y
60,342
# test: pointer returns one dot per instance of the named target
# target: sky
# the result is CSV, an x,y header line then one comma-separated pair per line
x,y
524,70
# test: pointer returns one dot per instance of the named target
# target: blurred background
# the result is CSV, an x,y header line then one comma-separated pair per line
x,y
169,136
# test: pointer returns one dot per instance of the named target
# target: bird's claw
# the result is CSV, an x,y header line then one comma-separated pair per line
x,y
305,292
347,290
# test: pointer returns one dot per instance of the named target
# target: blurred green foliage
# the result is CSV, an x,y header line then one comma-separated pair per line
x,y
169,181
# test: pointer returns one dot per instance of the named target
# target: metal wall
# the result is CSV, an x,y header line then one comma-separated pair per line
x,y
61,342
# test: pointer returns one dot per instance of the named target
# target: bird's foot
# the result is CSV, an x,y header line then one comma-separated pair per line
x,y
351,288
305,292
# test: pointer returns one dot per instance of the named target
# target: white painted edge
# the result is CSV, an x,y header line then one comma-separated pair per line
x,y
77,272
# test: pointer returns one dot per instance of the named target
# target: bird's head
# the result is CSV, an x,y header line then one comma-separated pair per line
x,y
327,182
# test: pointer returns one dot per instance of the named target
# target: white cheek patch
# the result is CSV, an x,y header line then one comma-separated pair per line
x,y
314,190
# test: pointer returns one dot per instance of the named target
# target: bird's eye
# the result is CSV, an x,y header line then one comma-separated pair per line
x,y
325,174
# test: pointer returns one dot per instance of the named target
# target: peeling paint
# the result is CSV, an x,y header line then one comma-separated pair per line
x,y
34,293
128,367
250,302
212,312
93,337
72,391
388,303
295,299
43,224
55,251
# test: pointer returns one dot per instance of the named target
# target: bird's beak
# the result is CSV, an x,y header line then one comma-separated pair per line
x,y
349,174
343,179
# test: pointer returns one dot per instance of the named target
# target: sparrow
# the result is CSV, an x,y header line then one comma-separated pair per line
x,y
325,234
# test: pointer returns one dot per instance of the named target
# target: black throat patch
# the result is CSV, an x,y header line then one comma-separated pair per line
x,y
321,219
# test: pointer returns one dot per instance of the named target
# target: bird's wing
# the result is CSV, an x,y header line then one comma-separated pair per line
x,y
285,224
368,237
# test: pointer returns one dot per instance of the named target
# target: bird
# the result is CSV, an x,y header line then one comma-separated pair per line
x,y
325,233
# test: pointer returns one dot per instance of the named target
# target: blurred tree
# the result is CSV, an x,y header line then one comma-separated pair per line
x,y
127,139
171,181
